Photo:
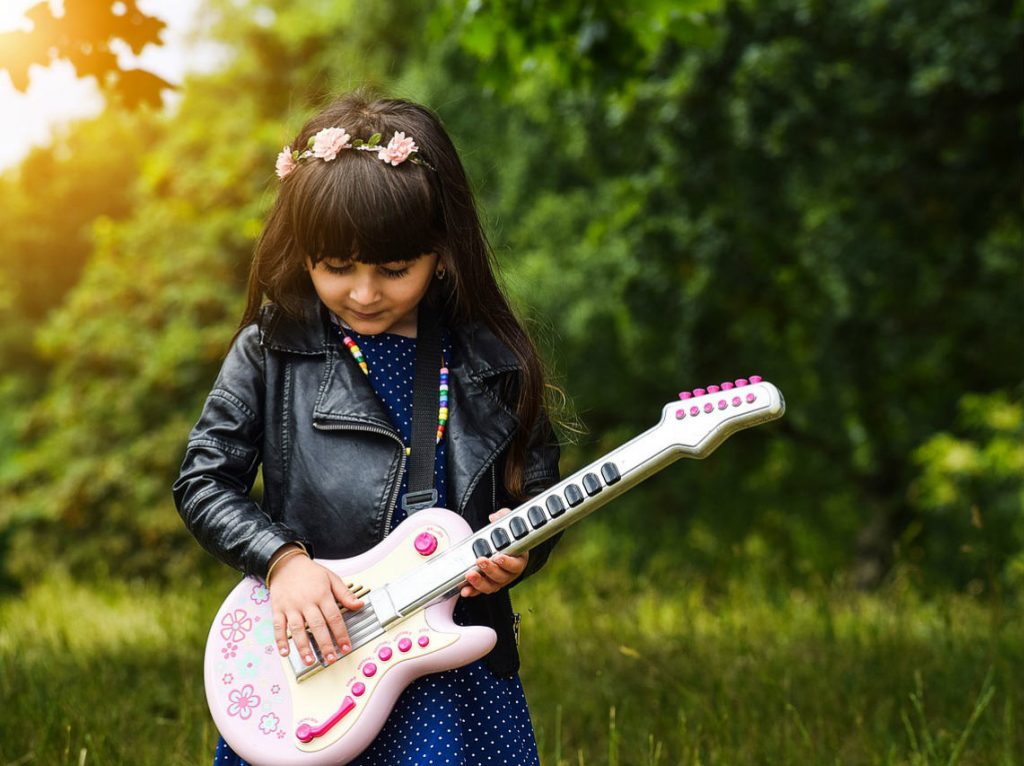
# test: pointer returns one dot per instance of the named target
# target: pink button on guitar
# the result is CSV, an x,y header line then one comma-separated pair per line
x,y
423,640
425,543
369,669
385,653
404,644
359,688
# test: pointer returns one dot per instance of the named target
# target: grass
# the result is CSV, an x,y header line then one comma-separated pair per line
x,y
618,671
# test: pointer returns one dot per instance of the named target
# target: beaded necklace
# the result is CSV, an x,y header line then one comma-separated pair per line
x,y
442,388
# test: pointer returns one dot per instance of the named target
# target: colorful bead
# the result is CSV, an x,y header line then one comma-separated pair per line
x,y
442,388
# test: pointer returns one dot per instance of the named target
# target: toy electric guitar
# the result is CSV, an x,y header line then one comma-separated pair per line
x,y
276,711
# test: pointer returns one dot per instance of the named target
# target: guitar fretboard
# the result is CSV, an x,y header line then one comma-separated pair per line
x,y
585,491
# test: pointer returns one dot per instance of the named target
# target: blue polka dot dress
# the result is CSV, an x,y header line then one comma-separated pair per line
x,y
461,717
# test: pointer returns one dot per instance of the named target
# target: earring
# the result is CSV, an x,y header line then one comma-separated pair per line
x,y
439,272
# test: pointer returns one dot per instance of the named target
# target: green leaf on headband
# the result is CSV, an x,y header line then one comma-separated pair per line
x,y
309,143
374,140
295,154
358,142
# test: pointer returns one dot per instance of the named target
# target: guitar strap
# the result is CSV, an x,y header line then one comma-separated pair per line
x,y
423,443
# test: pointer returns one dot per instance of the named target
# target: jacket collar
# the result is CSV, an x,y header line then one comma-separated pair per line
x,y
481,354
481,424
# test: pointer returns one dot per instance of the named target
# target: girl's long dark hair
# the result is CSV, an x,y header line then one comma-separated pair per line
x,y
356,206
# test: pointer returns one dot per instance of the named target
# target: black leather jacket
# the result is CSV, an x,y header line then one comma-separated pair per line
x,y
289,398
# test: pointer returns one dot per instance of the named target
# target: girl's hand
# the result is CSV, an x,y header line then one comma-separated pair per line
x,y
306,593
496,572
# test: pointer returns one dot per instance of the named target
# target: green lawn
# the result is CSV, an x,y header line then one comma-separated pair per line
x,y
617,670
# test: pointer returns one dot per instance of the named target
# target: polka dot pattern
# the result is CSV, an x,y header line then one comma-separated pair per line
x,y
461,717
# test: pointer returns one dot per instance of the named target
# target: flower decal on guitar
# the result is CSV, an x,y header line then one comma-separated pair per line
x,y
243,702
260,594
235,625
268,723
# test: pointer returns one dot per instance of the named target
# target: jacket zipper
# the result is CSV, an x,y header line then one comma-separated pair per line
x,y
389,511
489,465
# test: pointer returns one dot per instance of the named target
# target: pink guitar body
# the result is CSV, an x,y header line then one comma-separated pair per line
x,y
263,710
276,711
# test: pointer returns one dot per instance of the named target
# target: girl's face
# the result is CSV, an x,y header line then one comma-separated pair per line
x,y
374,298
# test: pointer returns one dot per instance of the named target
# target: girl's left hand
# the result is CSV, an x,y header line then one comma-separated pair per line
x,y
496,572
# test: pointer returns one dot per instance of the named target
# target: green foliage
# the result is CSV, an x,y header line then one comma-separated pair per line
x,y
970,494
680,193
135,345
799,191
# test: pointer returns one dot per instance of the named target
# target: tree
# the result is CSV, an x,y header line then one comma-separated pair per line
x,y
83,35
828,193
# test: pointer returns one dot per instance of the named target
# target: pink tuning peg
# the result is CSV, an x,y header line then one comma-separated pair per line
x,y
685,394
727,385
713,389
741,382
756,379
699,392
680,414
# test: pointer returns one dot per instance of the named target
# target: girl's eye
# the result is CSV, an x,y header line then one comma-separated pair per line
x,y
345,268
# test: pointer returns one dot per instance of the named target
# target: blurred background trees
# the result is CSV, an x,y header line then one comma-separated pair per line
x,y
87,34
679,192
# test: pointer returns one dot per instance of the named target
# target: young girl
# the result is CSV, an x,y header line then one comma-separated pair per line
x,y
373,232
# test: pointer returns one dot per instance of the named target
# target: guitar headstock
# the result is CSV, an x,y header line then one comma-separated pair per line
x,y
705,417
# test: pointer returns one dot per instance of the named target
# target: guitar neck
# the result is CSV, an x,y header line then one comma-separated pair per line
x,y
585,491
544,516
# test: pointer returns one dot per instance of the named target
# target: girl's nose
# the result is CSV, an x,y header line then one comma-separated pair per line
x,y
364,291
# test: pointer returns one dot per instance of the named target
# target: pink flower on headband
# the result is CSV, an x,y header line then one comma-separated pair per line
x,y
398,149
329,141
285,162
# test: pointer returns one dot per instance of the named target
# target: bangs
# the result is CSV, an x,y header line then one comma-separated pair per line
x,y
358,207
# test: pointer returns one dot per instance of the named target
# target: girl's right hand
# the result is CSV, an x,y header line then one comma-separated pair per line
x,y
305,593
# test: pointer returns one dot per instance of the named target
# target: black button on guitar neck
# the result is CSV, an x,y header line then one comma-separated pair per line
x,y
481,548
518,527
592,484
556,507
610,473
573,495
500,539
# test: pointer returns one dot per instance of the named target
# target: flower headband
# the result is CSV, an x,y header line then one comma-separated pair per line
x,y
328,142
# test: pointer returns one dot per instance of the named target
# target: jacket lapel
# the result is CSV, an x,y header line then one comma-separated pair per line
x,y
344,393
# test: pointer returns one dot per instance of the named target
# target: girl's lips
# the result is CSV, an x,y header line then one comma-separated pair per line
x,y
366,317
